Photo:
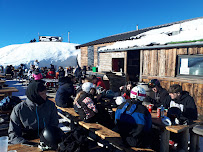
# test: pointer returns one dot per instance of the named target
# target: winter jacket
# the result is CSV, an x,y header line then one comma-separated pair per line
x,y
86,108
100,83
186,104
37,76
161,97
135,125
61,73
50,75
64,93
28,119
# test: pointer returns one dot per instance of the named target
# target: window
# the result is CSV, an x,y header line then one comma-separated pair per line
x,y
190,65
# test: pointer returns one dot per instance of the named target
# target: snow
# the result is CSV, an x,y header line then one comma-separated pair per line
x,y
186,31
56,53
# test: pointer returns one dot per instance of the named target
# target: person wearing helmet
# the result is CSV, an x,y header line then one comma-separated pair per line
x,y
134,120
29,118
85,104
161,94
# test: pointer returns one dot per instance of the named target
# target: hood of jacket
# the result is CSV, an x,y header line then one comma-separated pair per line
x,y
32,92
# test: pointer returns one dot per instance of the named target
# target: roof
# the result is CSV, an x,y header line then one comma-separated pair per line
x,y
127,35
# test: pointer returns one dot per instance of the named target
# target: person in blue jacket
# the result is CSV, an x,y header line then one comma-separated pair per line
x,y
64,93
134,120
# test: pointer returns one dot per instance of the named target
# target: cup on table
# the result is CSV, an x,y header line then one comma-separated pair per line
x,y
3,144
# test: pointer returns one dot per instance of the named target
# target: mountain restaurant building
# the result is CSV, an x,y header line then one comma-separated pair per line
x,y
171,64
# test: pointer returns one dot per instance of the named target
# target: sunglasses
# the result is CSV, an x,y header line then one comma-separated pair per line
x,y
151,85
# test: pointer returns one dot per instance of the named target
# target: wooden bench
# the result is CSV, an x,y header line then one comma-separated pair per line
x,y
104,133
8,90
2,96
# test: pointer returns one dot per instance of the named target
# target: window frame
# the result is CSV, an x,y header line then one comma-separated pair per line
x,y
178,66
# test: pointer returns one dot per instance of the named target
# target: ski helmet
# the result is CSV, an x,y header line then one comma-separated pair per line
x,y
87,86
50,137
119,100
138,93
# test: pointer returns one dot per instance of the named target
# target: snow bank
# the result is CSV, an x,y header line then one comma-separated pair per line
x,y
56,53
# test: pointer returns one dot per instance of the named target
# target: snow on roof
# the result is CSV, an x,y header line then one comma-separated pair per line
x,y
186,31
56,53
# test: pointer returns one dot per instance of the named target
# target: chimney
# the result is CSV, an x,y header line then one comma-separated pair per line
x,y
137,27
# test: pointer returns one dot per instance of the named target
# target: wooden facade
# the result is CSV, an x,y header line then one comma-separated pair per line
x,y
84,54
161,64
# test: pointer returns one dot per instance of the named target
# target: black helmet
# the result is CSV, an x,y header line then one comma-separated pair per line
x,y
174,114
50,137
154,82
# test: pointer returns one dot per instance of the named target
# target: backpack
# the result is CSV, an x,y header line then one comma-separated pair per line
x,y
74,141
8,103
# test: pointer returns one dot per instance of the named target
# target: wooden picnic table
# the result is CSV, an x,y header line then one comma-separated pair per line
x,y
8,90
26,148
2,76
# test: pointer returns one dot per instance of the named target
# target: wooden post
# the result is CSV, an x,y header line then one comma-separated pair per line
x,y
141,62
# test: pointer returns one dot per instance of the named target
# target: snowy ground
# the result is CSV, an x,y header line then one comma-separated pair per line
x,y
21,94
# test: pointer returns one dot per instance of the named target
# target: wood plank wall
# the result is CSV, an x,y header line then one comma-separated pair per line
x,y
161,64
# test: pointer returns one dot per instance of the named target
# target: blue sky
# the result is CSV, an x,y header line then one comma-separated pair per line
x,y
87,20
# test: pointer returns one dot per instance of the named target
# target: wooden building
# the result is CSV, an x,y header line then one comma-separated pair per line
x,y
168,63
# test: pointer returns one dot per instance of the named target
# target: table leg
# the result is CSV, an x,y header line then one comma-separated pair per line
x,y
184,140
164,143
194,141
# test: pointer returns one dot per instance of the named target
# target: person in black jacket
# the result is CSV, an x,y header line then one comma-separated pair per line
x,y
134,120
161,94
61,72
182,100
64,93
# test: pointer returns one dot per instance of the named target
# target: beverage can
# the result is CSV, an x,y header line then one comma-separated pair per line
x,y
158,112
150,108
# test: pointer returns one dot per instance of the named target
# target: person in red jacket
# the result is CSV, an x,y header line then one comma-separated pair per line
x,y
97,81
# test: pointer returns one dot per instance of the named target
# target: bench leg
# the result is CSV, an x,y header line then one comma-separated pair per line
x,y
164,143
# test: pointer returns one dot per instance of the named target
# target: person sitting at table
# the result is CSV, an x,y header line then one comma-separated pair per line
x,y
64,93
97,81
134,120
161,94
125,90
182,100
37,75
88,109
30,117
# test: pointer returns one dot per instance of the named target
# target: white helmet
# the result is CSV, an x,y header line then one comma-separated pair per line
x,y
138,93
120,100
87,86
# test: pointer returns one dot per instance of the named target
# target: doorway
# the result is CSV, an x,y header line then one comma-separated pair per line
x,y
133,65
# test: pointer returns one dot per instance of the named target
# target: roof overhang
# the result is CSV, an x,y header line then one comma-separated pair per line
x,y
156,47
